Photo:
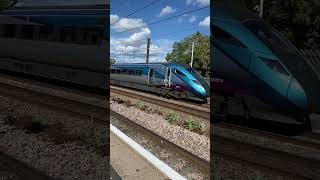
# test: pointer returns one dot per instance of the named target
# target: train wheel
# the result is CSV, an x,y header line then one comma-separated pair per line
x,y
184,95
175,95
163,92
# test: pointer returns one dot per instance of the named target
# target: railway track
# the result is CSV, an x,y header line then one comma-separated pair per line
x,y
21,169
77,104
68,101
202,162
303,162
201,111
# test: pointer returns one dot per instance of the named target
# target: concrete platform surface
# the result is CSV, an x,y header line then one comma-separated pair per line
x,y
130,165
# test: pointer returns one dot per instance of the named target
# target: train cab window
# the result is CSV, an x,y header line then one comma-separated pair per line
x,y
275,66
225,37
27,32
179,73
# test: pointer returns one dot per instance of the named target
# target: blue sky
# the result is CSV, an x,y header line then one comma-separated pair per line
x,y
130,46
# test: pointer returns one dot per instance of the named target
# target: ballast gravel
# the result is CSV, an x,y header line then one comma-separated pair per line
x,y
70,160
193,142
63,161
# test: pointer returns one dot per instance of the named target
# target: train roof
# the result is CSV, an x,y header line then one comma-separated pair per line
x,y
60,4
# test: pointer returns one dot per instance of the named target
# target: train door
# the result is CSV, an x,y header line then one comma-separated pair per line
x,y
150,76
167,78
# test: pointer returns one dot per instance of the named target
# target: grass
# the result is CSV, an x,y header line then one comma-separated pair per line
x,y
192,125
141,106
171,117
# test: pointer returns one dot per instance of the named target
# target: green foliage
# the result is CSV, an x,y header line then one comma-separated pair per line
x,y
171,117
112,61
98,137
141,106
297,20
192,125
4,4
181,52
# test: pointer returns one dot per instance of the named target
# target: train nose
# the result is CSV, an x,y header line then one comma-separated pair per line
x,y
297,95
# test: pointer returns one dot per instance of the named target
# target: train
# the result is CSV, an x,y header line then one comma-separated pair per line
x,y
64,41
256,73
166,79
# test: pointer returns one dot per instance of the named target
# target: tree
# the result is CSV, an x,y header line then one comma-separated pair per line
x,y
297,20
112,61
4,4
181,52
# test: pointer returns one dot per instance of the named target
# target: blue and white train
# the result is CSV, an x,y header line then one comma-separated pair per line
x,y
256,72
67,41
167,79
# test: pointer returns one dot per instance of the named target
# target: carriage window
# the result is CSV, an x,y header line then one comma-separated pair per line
x,y
138,72
67,35
179,73
124,71
275,66
225,37
118,71
113,71
46,33
27,32
9,30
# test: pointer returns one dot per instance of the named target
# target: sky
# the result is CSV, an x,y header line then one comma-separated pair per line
x,y
128,35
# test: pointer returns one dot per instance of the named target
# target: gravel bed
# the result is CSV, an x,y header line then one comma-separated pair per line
x,y
229,169
268,143
192,142
6,175
172,158
205,123
71,160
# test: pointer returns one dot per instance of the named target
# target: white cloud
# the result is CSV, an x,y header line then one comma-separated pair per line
x,y
192,19
205,22
167,10
138,38
124,52
199,3
113,18
125,23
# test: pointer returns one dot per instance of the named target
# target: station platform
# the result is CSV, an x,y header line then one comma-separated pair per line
x,y
130,165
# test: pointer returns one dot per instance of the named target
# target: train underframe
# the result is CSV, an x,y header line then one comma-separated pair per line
x,y
251,108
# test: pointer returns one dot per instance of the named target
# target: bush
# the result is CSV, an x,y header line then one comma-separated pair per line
x,y
98,137
171,117
192,125
141,106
